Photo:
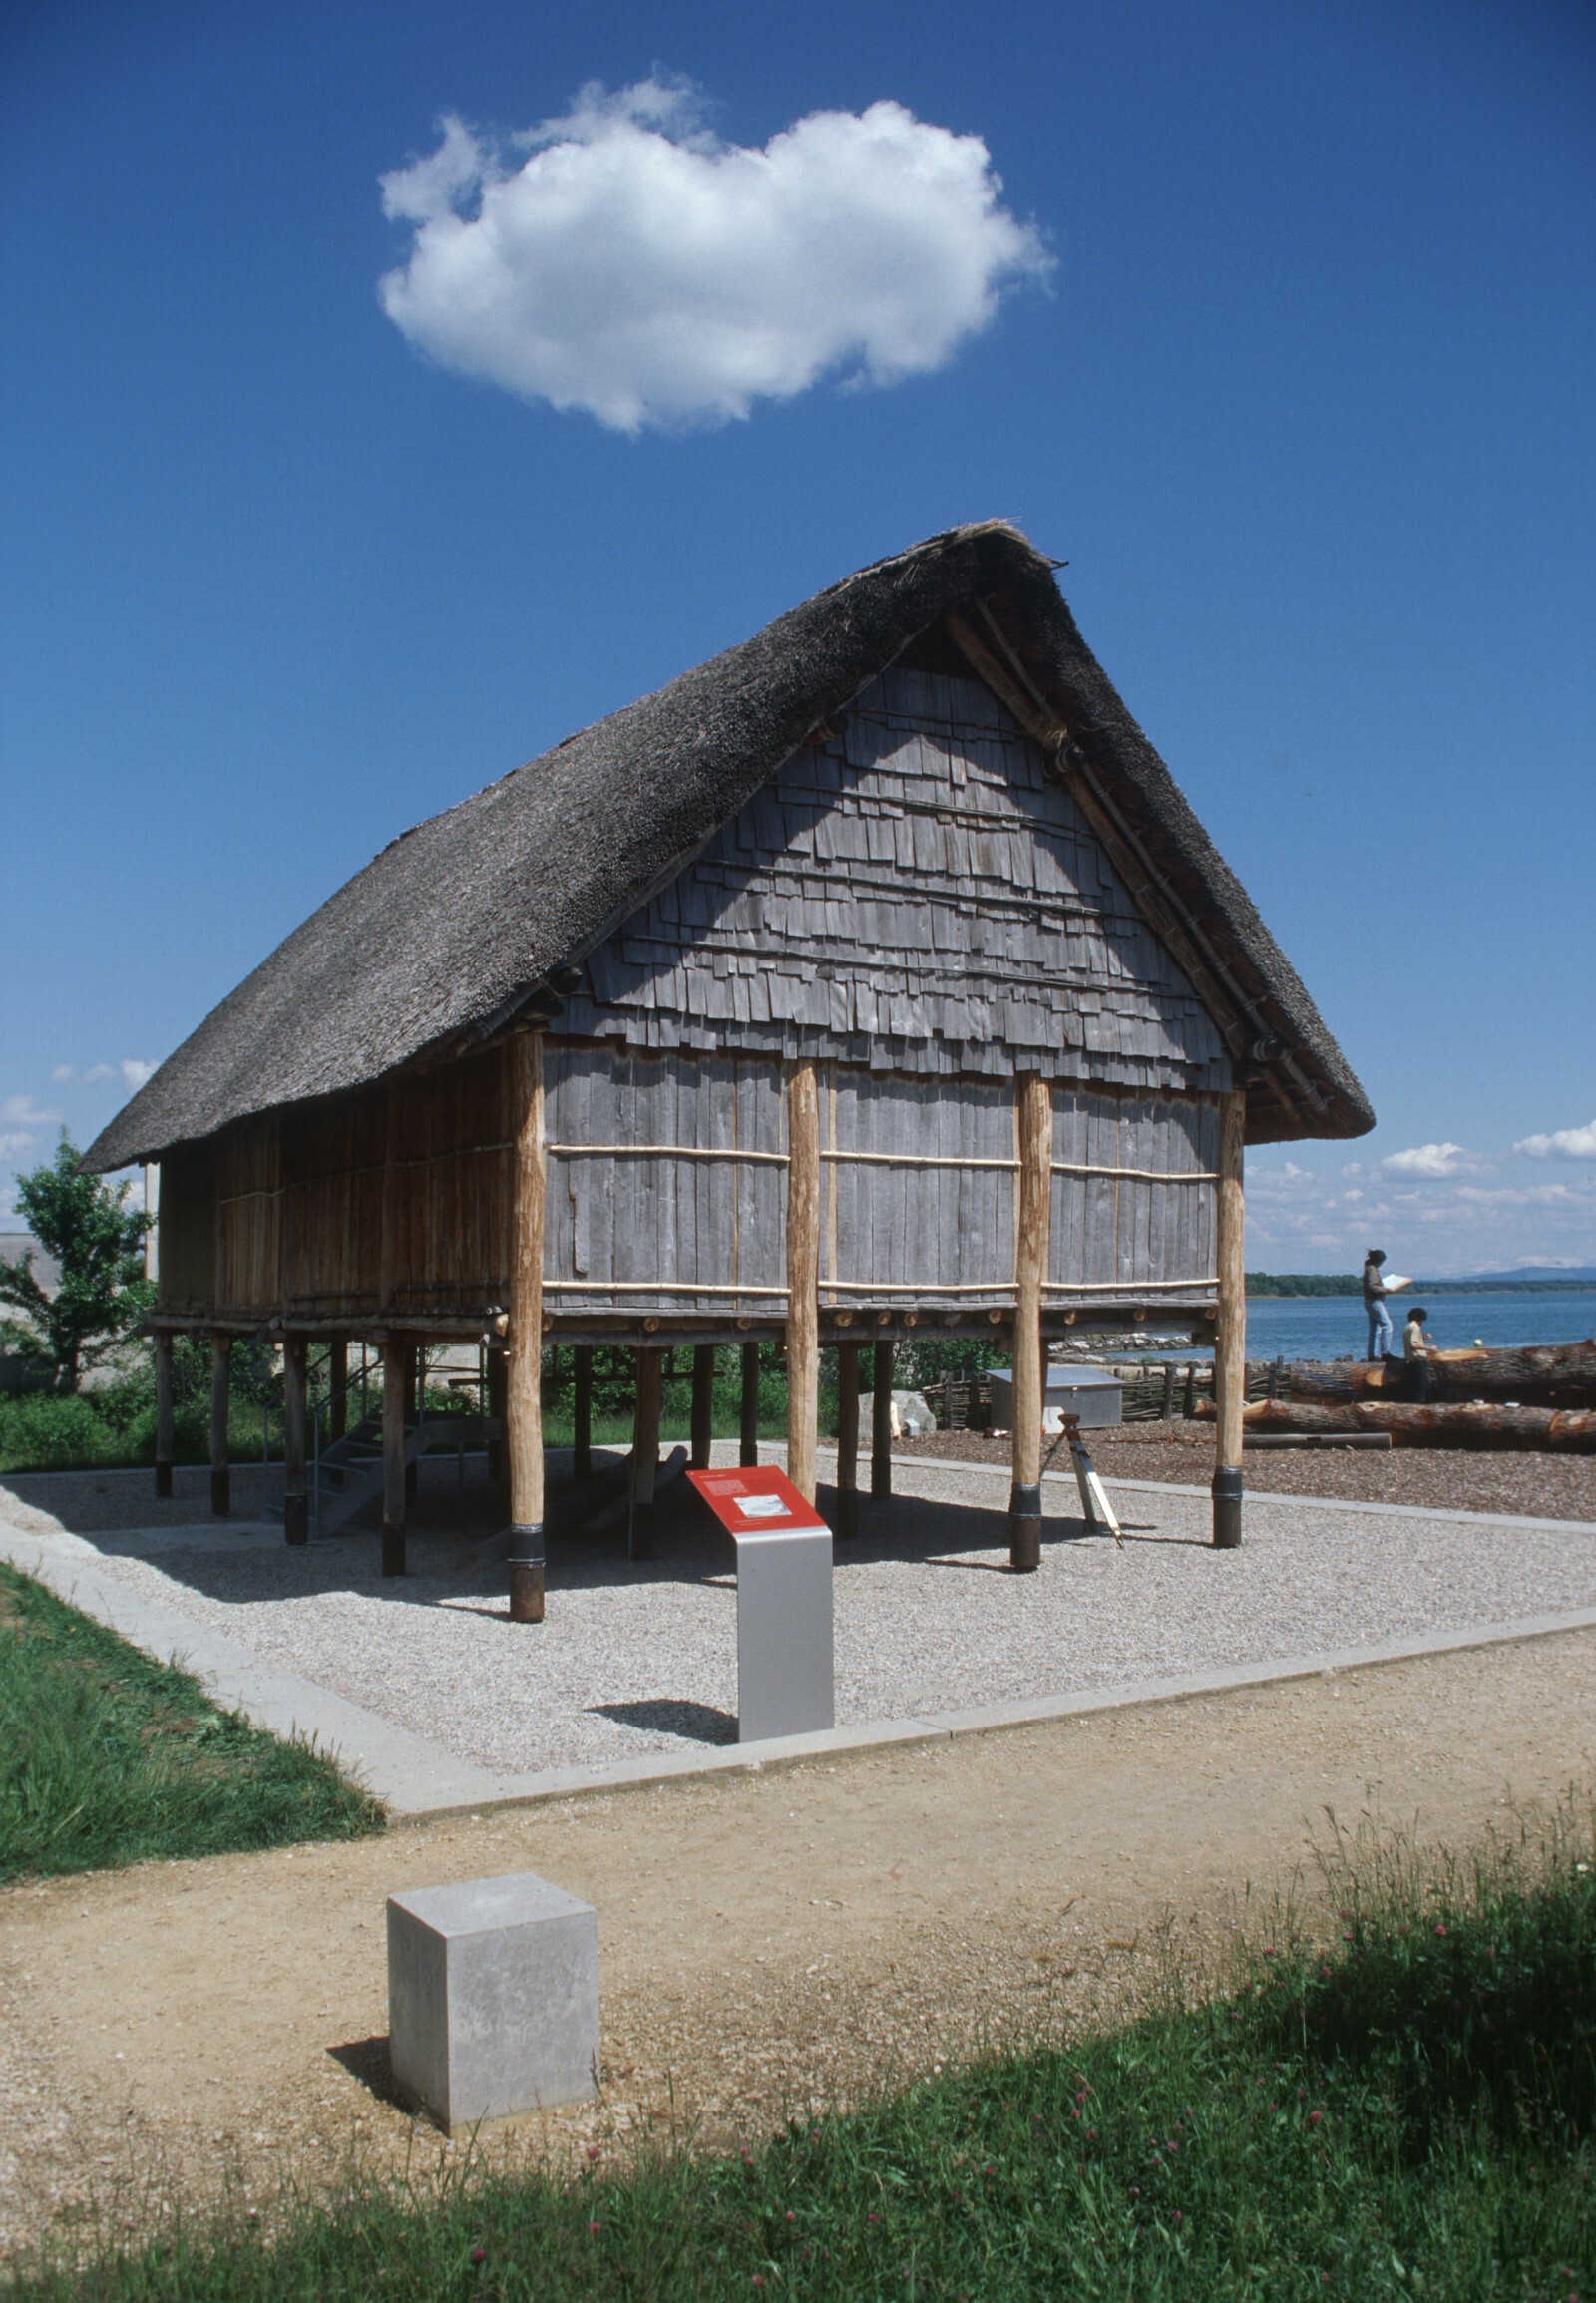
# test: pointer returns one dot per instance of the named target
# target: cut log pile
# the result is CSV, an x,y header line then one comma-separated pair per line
x,y
1542,1376
1472,1423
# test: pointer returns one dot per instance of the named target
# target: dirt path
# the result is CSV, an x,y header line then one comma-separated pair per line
x,y
763,1938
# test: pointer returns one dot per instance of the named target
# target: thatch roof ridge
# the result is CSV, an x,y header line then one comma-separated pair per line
x,y
462,919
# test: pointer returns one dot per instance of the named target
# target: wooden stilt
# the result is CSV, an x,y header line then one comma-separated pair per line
x,y
524,1389
645,1452
337,1389
1034,1107
803,1276
397,1357
415,1394
881,1421
295,1497
582,1411
1230,1338
220,1389
498,1454
749,1421
703,1404
164,1415
847,1439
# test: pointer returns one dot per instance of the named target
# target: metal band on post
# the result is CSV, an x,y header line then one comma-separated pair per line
x,y
1024,1526
527,1559
1228,1489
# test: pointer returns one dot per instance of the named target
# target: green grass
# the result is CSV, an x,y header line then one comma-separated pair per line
x,y
1409,2116
107,1756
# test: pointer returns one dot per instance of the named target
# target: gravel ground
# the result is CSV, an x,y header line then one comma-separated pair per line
x,y
636,1656
1434,1478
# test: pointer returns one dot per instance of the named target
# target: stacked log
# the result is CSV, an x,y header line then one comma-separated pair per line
x,y
1542,1376
1475,1423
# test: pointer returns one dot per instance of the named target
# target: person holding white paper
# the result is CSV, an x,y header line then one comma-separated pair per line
x,y
1381,1332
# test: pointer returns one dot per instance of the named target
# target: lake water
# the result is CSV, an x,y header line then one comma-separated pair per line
x,y
1335,1326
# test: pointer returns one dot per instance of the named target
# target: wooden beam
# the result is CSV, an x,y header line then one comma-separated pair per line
x,y
582,1412
748,1420
881,1421
164,1413
703,1404
645,1452
295,1498
1230,1338
220,1389
1035,1114
847,1439
803,1276
524,1390
396,1362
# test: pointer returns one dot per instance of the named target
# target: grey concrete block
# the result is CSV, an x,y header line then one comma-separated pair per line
x,y
492,1998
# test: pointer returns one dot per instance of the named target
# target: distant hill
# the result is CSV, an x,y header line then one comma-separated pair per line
x,y
1527,1279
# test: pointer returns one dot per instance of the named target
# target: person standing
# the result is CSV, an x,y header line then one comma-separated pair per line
x,y
1381,1334
1416,1356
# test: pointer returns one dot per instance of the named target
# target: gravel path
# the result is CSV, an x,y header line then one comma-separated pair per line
x,y
1530,1486
928,1618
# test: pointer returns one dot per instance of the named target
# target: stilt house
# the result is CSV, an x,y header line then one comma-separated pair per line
x,y
873,978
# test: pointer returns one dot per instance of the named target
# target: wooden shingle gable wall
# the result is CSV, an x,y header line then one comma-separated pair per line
x,y
918,897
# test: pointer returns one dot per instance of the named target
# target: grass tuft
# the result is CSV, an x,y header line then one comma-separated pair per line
x,y
108,1756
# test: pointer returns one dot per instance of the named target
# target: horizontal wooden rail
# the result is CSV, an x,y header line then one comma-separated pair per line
x,y
902,1159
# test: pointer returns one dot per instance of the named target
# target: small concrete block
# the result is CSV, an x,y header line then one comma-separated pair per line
x,y
492,1998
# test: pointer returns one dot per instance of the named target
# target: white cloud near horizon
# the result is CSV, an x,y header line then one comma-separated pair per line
x,y
1427,1159
132,1070
22,1111
637,267
1565,1143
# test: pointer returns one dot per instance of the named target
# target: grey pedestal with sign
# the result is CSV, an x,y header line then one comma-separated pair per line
x,y
786,1677
492,1998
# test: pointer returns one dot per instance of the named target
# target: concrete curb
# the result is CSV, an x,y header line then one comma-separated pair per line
x,y
418,1780
408,1773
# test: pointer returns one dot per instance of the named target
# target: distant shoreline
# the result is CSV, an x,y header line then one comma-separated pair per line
x,y
1349,1289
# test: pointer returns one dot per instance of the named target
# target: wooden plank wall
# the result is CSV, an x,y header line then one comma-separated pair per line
x,y
915,896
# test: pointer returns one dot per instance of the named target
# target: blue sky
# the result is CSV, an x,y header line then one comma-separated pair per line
x,y
1288,351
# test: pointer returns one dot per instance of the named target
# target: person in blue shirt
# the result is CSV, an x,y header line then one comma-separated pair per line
x,y
1381,1332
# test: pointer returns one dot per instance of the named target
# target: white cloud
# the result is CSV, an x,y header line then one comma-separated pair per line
x,y
637,267
14,1142
1427,1159
132,1071
1567,1143
22,1111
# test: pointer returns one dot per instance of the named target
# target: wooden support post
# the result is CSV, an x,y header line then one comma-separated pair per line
x,y
524,1387
748,1417
703,1404
1230,1335
415,1401
396,1365
498,1454
295,1496
163,1414
645,1452
220,1388
847,1439
337,1389
1035,1105
803,1276
582,1411
1169,1390
881,1421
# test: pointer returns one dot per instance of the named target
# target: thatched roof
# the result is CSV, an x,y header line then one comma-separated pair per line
x,y
460,921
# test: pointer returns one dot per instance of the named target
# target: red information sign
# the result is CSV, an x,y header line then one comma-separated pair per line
x,y
756,1500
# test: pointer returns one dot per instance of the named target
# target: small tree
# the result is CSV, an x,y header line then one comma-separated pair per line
x,y
98,1242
